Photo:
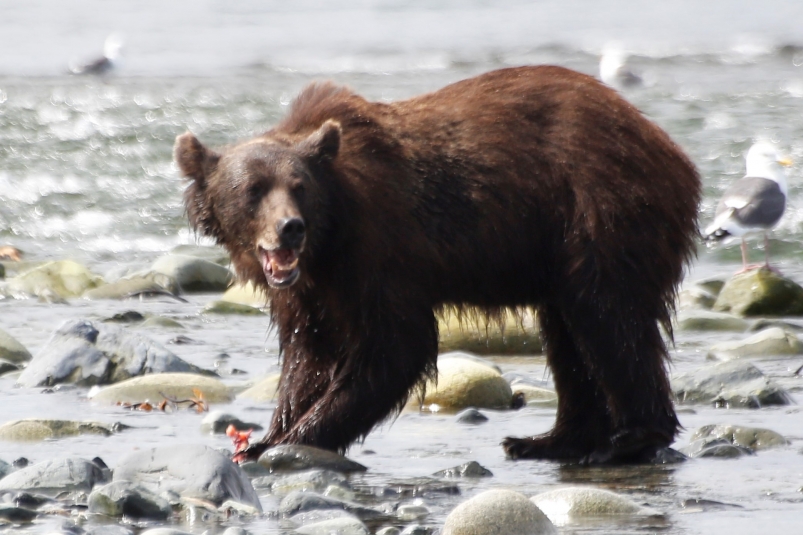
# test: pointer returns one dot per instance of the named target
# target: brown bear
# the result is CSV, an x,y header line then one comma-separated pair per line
x,y
524,187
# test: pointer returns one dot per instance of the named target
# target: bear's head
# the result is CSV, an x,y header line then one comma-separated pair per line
x,y
259,198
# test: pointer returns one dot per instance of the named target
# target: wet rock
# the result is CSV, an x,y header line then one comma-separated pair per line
x,y
163,322
567,504
194,274
88,354
191,471
246,294
264,390
299,457
121,498
771,341
760,292
154,387
62,279
16,515
514,336
216,423
109,530
5,469
417,530
56,476
310,480
697,505
34,430
165,531
389,530
8,367
134,286
471,416
707,320
299,502
11,350
235,531
534,393
498,512
464,382
225,307
717,447
335,526
419,487
729,384
696,297
754,438
408,512
469,469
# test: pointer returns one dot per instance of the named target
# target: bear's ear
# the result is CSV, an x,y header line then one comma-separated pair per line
x,y
193,159
324,143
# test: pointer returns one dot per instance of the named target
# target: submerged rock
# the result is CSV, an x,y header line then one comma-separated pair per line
x,y
498,512
469,469
729,384
300,502
89,354
315,480
122,498
194,274
31,430
463,382
63,278
514,335
760,292
755,438
571,503
716,447
154,387
226,307
707,320
135,285
11,350
471,416
771,341
299,457
191,471
56,476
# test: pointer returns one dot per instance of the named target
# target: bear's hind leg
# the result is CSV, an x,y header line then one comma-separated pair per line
x,y
583,423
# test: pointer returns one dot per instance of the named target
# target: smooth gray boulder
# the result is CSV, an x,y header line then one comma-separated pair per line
x,y
299,502
191,471
569,504
755,438
734,383
194,274
337,526
11,350
55,476
463,381
772,341
123,498
89,354
299,457
498,512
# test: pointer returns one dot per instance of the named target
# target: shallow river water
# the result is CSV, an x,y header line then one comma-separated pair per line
x,y
86,174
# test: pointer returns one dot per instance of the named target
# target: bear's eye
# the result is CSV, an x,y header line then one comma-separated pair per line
x,y
255,191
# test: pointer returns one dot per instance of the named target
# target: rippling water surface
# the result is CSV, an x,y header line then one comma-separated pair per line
x,y
86,173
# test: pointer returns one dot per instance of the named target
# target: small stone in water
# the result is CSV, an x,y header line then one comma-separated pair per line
x,y
471,416
469,469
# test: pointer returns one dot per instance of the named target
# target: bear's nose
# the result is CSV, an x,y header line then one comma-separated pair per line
x,y
291,232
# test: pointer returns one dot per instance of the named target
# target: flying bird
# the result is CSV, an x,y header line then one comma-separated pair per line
x,y
754,203
110,59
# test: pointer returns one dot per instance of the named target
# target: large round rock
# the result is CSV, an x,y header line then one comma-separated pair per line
x,y
467,381
498,512
192,471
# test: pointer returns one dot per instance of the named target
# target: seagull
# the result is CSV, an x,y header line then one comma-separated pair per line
x,y
112,48
614,72
754,203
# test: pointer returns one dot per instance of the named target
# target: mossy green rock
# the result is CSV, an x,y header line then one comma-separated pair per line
x,y
263,390
226,307
466,382
35,430
246,294
11,350
155,386
63,278
760,292
513,335
706,320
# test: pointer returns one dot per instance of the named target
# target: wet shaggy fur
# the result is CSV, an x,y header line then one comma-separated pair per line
x,y
525,187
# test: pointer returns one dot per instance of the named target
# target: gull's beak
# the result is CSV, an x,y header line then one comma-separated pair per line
x,y
786,162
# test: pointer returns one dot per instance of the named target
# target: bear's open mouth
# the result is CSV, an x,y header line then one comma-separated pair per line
x,y
280,266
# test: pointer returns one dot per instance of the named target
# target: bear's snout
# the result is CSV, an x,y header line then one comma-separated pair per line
x,y
291,232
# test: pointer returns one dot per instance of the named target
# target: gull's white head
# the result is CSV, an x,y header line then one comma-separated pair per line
x,y
763,160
